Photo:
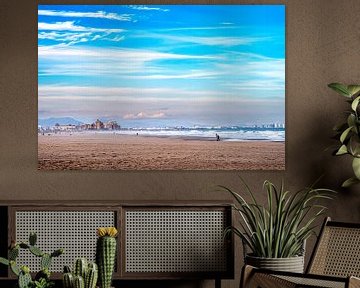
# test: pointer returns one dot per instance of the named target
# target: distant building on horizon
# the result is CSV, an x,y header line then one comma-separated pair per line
x,y
97,125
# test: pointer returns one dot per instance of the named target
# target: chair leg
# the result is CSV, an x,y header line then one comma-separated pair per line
x,y
217,283
246,274
354,282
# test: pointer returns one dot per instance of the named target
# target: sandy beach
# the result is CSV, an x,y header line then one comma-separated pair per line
x,y
106,151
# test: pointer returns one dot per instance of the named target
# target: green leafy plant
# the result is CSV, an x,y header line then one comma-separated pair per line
x,y
279,229
43,283
348,132
42,278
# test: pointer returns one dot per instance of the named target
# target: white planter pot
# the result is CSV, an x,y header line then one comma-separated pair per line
x,y
291,264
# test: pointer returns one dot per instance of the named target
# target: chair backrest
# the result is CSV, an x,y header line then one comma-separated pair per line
x,y
337,251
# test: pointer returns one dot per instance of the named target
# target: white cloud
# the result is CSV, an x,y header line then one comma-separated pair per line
x,y
135,55
145,115
117,38
261,85
119,63
131,103
197,28
63,36
73,14
131,94
254,66
68,38
209,41
147,8
70,26
193,75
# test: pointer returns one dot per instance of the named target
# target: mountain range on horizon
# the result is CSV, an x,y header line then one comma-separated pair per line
x,y
58,120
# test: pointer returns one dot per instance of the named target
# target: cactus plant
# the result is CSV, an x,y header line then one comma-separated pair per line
x,y
68,280
106,254
91,276
79,282
43,274
42,278
80,268
36,251
32,239
84,274
45,261
13,253
24,277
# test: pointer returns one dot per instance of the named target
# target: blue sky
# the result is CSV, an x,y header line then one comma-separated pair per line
x,y
162,65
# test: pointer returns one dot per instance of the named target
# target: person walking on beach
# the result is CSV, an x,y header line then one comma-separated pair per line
x,y
217,137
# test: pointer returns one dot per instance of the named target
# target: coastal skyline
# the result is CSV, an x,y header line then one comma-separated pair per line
x,y
162,65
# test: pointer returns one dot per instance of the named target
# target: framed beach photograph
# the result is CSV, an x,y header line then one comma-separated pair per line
x,y
161,87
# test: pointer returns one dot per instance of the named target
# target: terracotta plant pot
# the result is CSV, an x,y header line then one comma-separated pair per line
x,y
291,264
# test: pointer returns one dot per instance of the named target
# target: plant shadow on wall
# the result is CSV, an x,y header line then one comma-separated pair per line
x,y
276,232
348,132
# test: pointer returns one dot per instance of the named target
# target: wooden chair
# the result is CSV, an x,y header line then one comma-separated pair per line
x,y
334,263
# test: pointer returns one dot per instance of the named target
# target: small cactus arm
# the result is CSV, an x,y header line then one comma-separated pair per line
x,y
57,253
13,253
79,282
91,276
32,238
68,280
14,268
24,280
80,268
106,254
67,269
45,261
36,251
24,245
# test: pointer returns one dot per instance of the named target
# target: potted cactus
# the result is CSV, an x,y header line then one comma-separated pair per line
x,y
84,275
106,254
42,278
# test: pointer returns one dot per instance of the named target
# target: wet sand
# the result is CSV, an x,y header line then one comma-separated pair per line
x,y
102,151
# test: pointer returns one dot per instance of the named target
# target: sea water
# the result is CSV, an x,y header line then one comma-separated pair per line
x,y
225,133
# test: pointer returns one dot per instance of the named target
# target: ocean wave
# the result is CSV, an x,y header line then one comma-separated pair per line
x,y
224,134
